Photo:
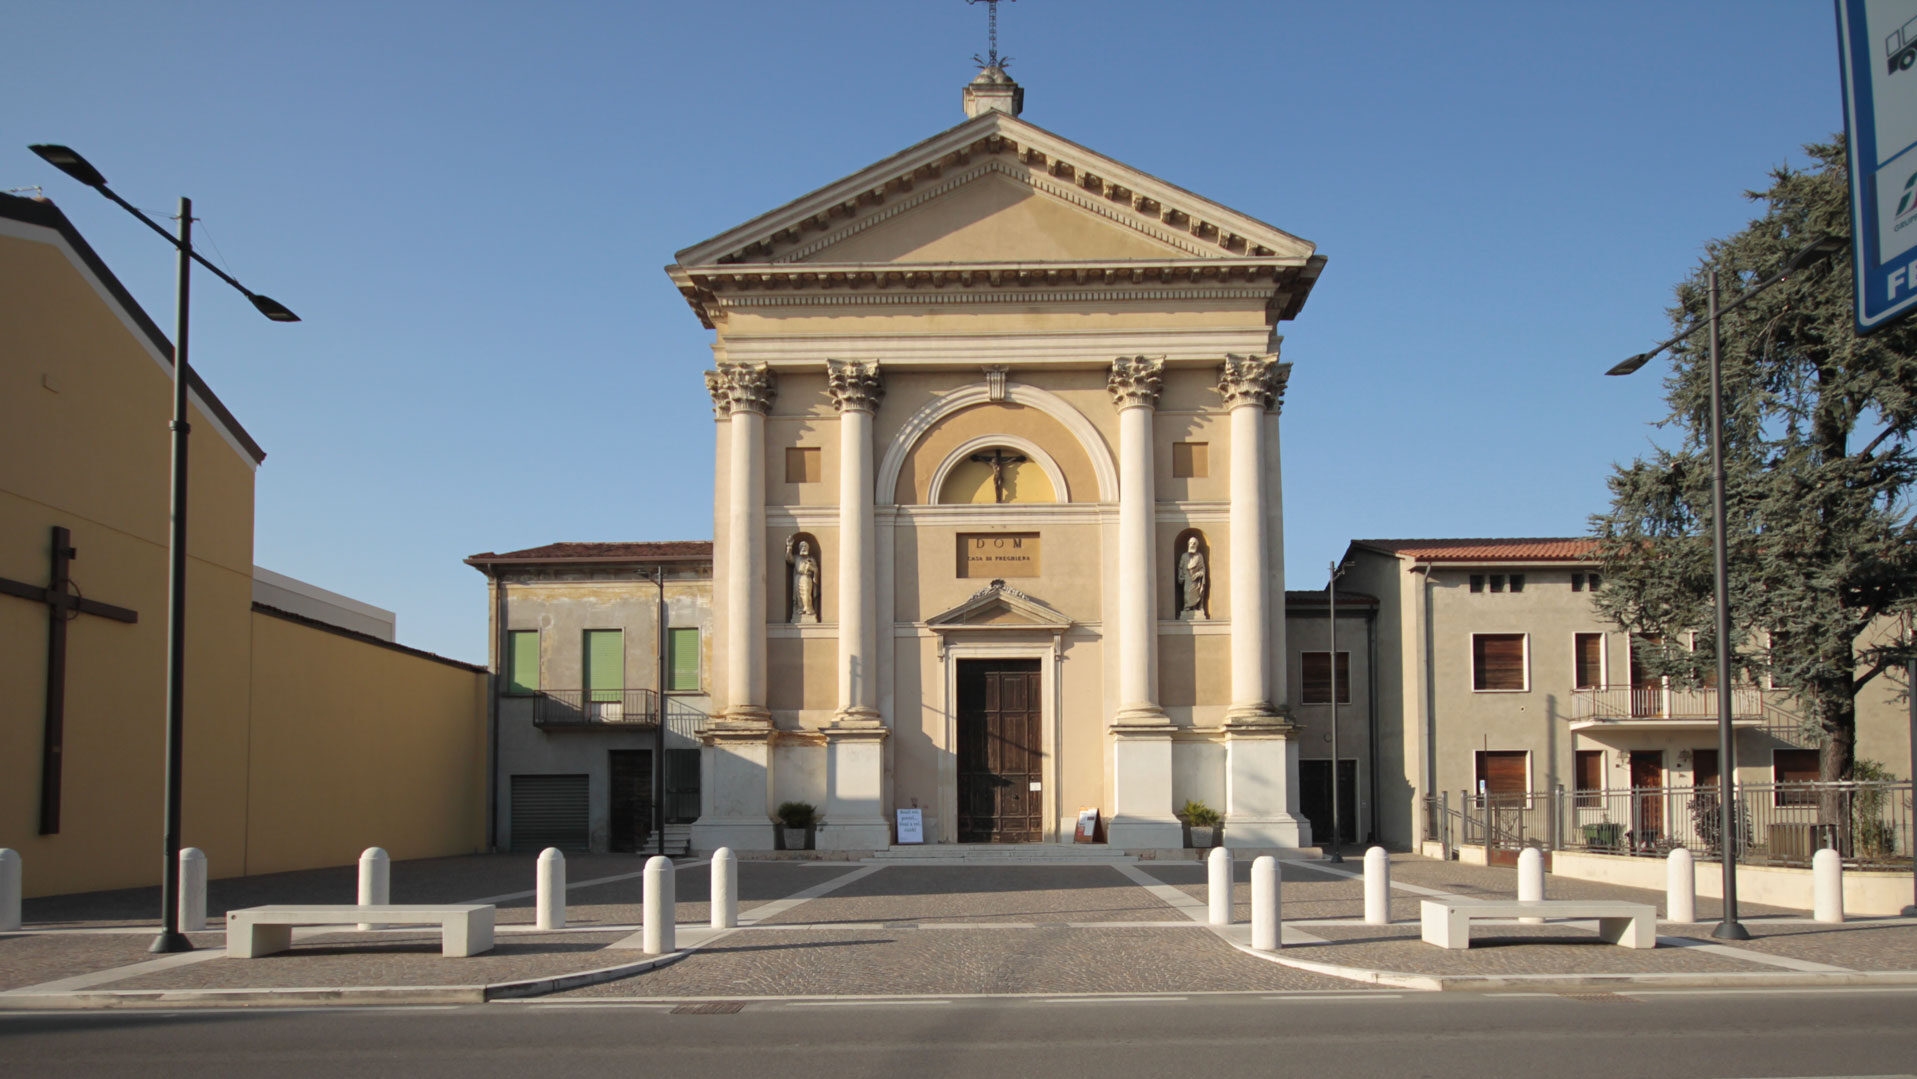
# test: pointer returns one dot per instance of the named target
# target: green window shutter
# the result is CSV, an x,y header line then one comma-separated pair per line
x,y
683,657
605,664
522,661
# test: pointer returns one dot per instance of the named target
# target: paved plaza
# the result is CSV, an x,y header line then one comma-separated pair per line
x,y
842,929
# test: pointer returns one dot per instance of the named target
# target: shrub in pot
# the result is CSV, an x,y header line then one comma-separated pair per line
x,y
1203,821
797,819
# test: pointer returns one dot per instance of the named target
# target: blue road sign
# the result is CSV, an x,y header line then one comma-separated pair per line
x,y
1877,40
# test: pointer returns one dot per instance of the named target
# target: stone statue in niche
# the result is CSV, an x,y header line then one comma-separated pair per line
x,y
804,582
1194,579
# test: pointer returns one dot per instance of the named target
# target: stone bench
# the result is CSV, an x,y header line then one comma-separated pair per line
x,y
1447,922
257,931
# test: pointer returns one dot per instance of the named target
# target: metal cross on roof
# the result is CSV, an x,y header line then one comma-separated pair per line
x,y
991,23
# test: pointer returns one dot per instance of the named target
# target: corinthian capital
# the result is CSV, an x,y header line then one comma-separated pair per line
x,y
1135,380
855,385
1254,380
740,387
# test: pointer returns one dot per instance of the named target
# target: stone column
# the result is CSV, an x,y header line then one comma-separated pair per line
x,y
855,758
745,391
1141,734
1261,775
735,770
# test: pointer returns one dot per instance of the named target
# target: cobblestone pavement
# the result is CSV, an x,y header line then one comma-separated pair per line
x,y
870,961
912,929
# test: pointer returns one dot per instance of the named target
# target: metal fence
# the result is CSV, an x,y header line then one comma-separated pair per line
x,y
628,709
1775,823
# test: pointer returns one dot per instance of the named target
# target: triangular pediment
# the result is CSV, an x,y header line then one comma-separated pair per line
x,y
958,196
998,606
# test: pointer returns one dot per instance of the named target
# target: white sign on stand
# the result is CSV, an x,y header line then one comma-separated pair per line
x,y
911,826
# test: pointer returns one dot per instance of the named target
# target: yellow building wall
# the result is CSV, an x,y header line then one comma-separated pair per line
x,y
358,745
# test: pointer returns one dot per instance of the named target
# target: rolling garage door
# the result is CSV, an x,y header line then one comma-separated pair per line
x,y
550,811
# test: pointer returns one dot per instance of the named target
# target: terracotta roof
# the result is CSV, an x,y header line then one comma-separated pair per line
x,y
1535,549
676,550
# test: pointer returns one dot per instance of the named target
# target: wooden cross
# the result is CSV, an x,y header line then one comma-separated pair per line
x,y
998,459
64,604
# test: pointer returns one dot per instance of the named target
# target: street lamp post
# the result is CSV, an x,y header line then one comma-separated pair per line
x,y
1337,824
1729,928
659,732
71,163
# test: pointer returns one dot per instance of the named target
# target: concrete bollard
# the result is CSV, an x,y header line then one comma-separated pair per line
x,y
1218,885
725,889
1377,887
551,890
1827,886
1530,879
1680,886
9,888
375,881
661,906
1264,904
192,890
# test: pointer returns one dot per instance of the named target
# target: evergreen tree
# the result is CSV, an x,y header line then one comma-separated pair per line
x,y
1819,473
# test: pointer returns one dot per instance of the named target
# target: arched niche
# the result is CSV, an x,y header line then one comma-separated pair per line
x,y
892,463
959,467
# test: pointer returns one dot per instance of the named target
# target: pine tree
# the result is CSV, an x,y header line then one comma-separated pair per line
x,y
1819,473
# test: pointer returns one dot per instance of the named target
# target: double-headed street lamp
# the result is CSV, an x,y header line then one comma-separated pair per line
x,y
71,163
1823,247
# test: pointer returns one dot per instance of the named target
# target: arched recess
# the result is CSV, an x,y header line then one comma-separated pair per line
x,y
1103,466
1054,474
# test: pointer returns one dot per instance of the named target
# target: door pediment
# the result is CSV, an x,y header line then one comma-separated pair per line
x,y
998,606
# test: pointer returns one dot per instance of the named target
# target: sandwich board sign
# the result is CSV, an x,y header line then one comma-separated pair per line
x,y
1877,42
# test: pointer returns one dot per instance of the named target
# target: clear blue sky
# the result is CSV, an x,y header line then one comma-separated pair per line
x,y
470,204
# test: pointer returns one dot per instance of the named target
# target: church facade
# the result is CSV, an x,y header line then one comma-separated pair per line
x,y
998,531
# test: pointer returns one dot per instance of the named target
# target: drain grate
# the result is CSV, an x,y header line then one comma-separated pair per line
x,y
710,1007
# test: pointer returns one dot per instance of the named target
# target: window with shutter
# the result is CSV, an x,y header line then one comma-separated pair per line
x,y
682,660
1503,772
1317,677
522,661
1587,659
1588,774
1497,661
605,656
1794,766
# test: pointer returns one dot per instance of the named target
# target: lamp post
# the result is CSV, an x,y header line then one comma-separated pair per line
x,y
1331,602
1823,247
659,733
71,163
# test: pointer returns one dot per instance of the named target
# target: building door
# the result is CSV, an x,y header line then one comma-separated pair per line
x,y
1647,798
549,811
630,792
1000,755
1314,798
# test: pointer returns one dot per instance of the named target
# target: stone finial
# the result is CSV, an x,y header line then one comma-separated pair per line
x,y
1135,380
854,384
740,387
1254,380
994,91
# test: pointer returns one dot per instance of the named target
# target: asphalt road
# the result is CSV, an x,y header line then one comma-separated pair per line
x,y
1692,1034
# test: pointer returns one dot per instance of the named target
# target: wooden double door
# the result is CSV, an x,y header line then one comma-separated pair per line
x,y
1000,752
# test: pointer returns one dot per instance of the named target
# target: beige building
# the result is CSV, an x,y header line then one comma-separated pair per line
x,y
1497,675
308,736
575,714
998,527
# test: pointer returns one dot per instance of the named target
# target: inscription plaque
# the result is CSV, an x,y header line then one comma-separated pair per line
x,y
987,555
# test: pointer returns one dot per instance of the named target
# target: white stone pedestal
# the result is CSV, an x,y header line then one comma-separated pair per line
x,y
1142,817
734,801
1261,787
855,789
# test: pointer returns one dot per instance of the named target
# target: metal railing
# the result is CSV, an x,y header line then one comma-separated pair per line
x,y
1782,824
1625,703
625,709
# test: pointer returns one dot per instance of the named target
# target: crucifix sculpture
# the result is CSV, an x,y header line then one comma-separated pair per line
x,y
64,604
998,459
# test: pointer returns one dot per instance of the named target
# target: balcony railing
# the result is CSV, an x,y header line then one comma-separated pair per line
x,y
600,709
1611,704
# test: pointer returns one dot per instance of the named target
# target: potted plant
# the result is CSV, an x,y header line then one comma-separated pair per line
x,y
796,820
1203,821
